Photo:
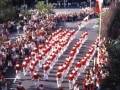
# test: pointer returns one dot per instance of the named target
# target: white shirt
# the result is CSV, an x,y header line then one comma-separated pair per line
x,y
26,46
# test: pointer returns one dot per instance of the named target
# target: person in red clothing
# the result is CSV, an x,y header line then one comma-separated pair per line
x,y
76,87
41,87
59,79
84,88
79,25
18,70
24,66
36,78
20,86
60,88
46,71
71,81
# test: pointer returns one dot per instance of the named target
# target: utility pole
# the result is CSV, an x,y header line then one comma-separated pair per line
x,y
90,3
64,3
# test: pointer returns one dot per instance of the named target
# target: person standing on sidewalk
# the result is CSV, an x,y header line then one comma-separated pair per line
x,y
18,29
3,83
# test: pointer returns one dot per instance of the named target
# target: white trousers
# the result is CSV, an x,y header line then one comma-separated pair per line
x,y
18,74
46,73
24,71
58,82
71,85
36,82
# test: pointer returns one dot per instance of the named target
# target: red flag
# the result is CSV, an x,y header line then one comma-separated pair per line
x,y
98,5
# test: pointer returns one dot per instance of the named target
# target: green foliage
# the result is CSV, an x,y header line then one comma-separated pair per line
x,y
49,7
24,12
7,12
114,49
113,80
44,8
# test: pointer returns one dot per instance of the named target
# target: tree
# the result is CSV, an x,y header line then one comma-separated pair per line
x,y
25,12
7,12
44,8
113,80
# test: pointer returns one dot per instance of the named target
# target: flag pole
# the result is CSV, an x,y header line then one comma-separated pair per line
x,y
90,3
100,25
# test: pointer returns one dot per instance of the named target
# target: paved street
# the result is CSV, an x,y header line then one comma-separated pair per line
x,y
51,83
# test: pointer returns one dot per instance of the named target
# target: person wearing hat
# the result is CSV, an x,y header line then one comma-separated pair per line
x,y
18,70
20,86
3,83
24,66
35,50
31,68
46,68
59,79
71,81
36,78
76,87
41,87
60,88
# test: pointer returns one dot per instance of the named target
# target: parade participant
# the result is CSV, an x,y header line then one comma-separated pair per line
x,y
59,79
46,68
84,88
76,87
35,64
86,35
78,67
33,55
18,70
61,70
79,25
20,86
31,68
41,87
36,78
40,48
65,66
35,50
39,57
86,19
24,65
71,80
60,88
3,83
